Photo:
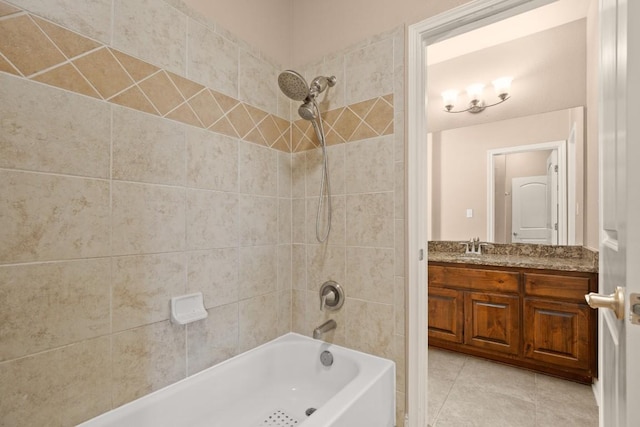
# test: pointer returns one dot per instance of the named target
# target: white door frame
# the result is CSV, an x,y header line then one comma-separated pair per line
x,y
453,22
560,147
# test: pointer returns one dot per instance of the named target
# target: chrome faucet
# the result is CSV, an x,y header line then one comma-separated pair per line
x,y
327,326
474,246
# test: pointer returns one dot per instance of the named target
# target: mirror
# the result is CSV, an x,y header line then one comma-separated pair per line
x,y
475,160
473,172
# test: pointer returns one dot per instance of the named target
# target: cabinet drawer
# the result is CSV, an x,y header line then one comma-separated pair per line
x,y
569,288
474,279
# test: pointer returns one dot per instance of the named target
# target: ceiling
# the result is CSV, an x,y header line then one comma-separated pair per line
x,y
534,21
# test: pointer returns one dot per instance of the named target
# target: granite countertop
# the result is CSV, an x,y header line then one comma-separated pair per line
x,y
562,258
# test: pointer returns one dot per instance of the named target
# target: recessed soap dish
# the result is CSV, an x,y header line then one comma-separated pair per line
x,y
188,308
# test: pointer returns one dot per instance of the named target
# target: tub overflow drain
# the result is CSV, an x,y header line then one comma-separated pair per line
x,y
326,358
310,411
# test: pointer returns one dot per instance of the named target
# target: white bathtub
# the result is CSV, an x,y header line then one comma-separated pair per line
x,y
282,378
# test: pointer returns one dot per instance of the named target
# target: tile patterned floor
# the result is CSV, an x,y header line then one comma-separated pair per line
x,y
465,391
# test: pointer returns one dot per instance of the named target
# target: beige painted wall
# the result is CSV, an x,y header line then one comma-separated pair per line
x,y
265,25
461,180
324,27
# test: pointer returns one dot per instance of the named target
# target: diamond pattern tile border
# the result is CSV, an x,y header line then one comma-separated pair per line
x,y
39,50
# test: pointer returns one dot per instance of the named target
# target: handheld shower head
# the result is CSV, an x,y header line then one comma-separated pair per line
x,y
307,111
293,85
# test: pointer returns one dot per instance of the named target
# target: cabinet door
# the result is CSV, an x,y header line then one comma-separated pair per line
x,y
445,314
557,333
492,322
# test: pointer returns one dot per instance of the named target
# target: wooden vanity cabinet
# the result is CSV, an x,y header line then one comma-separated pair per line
x,y
537,319
558,325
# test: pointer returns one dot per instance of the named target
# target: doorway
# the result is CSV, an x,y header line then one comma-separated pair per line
x,y
440,28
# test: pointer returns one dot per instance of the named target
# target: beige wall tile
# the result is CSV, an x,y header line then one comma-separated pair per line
x,y
285,176
146,359
298,175
61,387
67,77
91,18
147,148
369,72
284,312
214,339
19,34
370,274
299,266
143,287
284,221
258,320
206,48
151,30
7,67
370,327
258,220
285,278
243,124
337,167
147,218
161,92
325,263
215,274
69,42
104,72
299,312
7,9
371,166
134,99
298,220
257,82
42,122
52,217
337,233
370,220
136,68
212,219
258,170
206,108
212,161
258,271
49,305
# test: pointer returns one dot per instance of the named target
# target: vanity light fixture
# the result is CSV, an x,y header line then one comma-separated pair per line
x,y
474,92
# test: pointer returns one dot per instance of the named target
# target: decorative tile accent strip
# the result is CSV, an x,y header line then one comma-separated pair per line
x,y
42,51
39,50
366,119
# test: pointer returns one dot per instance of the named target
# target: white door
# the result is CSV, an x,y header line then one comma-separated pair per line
x,y
619,339
552,198
529,209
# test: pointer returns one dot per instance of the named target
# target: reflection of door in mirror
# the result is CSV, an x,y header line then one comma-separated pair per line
x,y
528,197
526,200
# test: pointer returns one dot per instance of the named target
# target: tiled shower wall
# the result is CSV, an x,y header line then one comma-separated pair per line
x,y
117,192
365,250
144,154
